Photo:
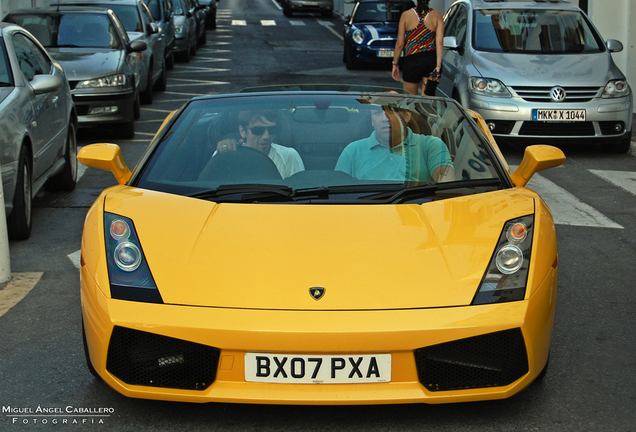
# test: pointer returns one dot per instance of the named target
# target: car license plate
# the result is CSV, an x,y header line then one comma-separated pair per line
x,y
385,53
558,115
317,369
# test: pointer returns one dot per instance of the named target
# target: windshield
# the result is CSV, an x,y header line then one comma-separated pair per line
x,y
330,143
127,14
380,11
534,31
70,29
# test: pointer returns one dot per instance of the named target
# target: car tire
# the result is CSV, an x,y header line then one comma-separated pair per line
x,y
287,10
146,95
162,82
170,60
619,146
126,130
327,14
193,48
89,363
19,221
67,178
136,106
350,62
544,371
204,38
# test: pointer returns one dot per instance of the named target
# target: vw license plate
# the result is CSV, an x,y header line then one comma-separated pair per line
x,y
558,115
385,53
317,369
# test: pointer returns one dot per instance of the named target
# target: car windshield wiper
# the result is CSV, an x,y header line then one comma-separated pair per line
x,y
237,189
427,190
5,84
252,193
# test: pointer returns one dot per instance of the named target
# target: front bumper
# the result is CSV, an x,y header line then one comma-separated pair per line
x,y
378,51
512,119
222,336
93,109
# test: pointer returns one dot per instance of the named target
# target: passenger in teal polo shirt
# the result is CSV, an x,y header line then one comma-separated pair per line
x,y
393,148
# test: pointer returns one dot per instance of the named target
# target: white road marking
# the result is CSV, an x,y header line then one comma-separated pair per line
x,y
268,23
566,208
297,23
75,258
239,22
326,23
625,180
17,288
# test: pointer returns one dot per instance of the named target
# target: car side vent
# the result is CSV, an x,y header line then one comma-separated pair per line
x,y
490,360
149,359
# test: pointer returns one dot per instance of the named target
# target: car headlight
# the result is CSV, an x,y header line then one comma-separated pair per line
x,y
128,271
357,36
488,87
109,81
507,274
616,88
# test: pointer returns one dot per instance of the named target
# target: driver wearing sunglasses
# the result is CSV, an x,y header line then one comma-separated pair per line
x,y
258,130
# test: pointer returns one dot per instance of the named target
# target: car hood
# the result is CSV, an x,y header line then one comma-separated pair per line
x,y
546,70
268,256
379,30
88,63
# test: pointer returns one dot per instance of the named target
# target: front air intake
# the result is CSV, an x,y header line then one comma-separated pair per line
x,y
149,359
490,360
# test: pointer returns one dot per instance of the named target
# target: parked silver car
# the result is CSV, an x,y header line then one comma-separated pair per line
x,y
38,124
536,70
101,62
140,25
185,30
161,11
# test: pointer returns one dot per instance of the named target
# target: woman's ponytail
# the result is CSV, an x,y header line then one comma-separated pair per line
x,y
422,6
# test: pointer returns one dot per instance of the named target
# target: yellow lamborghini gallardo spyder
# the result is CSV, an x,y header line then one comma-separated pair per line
x,y
319,248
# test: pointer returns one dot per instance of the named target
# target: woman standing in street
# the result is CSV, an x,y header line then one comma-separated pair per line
x,y
421,37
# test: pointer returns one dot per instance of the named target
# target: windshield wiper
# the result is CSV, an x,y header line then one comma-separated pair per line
x,y
427,190
5,84
237,189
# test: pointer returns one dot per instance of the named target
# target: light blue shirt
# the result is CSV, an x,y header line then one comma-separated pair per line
x,y
369,159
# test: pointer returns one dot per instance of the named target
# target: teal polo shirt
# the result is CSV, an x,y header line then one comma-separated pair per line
x,y
368,159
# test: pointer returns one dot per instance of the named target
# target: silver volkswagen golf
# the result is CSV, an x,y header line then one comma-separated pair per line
x,y
536,70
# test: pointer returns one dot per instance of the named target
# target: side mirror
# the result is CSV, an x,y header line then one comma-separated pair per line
x,y
107,157
138,46
613,45
536,158
450,42
45,84
152,28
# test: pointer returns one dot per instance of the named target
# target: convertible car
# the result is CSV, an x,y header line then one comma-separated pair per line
x,y
319,248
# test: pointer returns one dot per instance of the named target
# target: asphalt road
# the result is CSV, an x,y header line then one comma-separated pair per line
x,y
44,383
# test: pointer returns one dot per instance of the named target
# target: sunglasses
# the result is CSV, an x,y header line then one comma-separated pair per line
x,y
260,130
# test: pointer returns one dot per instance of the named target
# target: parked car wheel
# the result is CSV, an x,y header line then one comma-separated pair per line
x,y
170,61
67,178
136,107
19,221
287,11
349,60
193,47
146,95
162,82
621,145
126,130
89,363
